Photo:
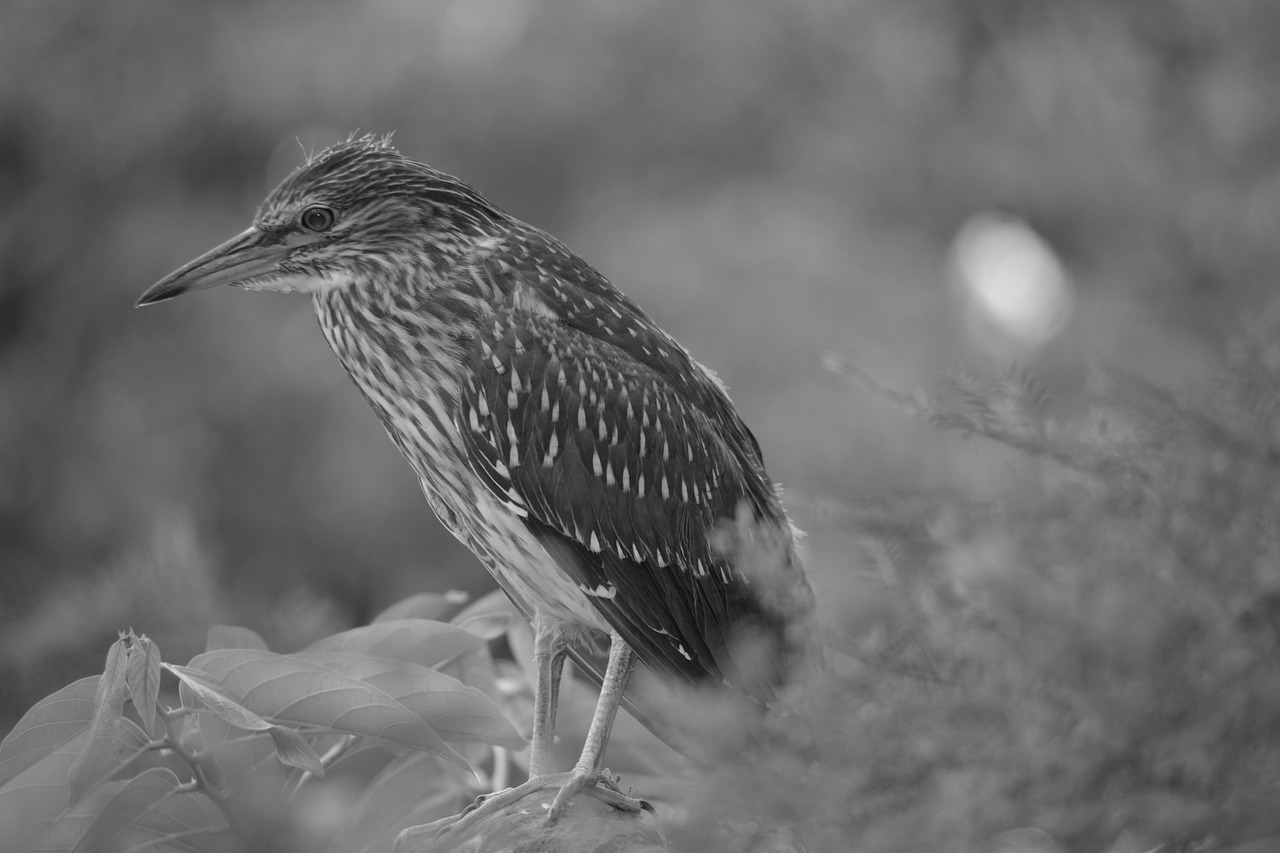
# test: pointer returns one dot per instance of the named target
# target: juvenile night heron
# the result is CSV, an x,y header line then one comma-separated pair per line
x,y
569,442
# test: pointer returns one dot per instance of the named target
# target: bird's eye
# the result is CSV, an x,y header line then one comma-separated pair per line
x,y
318,218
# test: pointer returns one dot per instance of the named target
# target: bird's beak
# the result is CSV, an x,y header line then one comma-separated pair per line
x,y
248,254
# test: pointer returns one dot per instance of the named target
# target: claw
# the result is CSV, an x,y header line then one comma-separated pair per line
x,y
606,789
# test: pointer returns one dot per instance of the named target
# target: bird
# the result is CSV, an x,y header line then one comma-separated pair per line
x,y
583,455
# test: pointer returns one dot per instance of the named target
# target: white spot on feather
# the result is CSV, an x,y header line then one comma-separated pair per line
x,y
601,591
681,650
515,444
594,543
595,463
553,448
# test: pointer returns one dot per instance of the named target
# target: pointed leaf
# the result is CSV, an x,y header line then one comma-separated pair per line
x,y
294,750
290,746
49,724
423,605
216,698
284,688
233,637
98,756
453,710
419,641
142,676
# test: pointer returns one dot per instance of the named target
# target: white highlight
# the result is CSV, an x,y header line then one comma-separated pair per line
x,y
1013,281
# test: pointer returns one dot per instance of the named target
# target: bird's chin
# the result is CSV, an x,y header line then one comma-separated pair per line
x,y
296,282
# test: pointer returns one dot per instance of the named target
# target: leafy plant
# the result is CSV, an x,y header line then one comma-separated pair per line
x,y
337,746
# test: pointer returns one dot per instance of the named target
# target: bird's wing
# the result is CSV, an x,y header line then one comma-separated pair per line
x,y
585,300
624,480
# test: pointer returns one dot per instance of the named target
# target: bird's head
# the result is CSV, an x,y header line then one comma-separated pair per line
x,y
357,214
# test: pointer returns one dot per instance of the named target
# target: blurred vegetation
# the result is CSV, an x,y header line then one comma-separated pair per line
x,y
772,180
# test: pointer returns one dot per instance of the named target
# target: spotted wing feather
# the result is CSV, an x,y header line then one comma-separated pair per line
x,y
610,464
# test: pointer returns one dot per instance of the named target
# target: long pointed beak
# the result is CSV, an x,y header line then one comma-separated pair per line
x,y
248,254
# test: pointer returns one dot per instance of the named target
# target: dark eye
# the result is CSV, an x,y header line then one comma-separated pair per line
x,y
318,218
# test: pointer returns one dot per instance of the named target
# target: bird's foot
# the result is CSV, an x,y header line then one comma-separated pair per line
x,y
606,789
567,785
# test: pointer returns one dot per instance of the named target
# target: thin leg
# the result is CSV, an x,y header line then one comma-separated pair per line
x,y
549,650
549,653
586,772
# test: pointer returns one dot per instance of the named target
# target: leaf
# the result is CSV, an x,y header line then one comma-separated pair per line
x,y
290,746
233,637
142,677
31,801
290,690
475,669
293,749
413,790
98,756
215,697
49,724
419,641
176,821
423,605
453,710
65,831
362,762
109,829
487,617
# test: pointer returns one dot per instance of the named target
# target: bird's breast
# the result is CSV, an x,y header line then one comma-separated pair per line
x,y
411,379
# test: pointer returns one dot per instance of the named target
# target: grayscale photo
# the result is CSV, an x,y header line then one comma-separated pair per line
x,y
639,426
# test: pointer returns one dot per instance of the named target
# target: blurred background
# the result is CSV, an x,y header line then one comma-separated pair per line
x,y
920,186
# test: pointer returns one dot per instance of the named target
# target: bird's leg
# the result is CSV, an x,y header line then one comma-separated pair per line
x,y
549,652
622,661
549,649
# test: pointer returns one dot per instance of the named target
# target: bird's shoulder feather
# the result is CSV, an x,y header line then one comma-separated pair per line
x,y
623,478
